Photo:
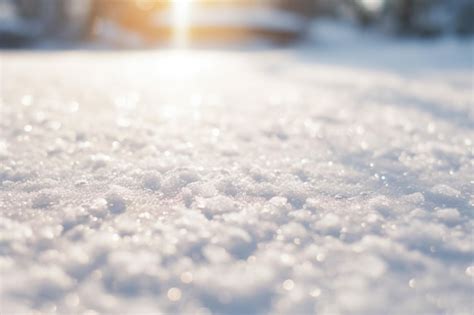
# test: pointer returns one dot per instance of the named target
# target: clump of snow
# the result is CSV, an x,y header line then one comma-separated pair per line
x,y
286,182
43,200
98,207
151,181
449,216
446,195
116,203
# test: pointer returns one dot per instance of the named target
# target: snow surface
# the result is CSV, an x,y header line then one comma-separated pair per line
x,y
318,179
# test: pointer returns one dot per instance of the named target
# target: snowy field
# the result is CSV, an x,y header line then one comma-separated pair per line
x,y
321,179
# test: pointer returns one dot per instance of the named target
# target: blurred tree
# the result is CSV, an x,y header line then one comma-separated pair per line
x,y
67,18
419,17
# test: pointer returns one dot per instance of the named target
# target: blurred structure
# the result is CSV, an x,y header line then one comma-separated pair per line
x,y
405,17
66,18
83,19
73,20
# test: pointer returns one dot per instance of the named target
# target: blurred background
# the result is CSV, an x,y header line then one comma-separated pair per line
x,y
152,23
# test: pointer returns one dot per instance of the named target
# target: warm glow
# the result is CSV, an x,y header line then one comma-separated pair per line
x,y
372,5
181,16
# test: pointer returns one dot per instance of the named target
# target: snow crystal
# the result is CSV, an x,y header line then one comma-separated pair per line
x,y
186,277
174,294
288,284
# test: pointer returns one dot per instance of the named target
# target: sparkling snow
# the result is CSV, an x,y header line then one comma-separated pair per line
x,y
317,179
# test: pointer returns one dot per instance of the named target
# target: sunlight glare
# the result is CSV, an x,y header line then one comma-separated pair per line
x,y
372,5
181,20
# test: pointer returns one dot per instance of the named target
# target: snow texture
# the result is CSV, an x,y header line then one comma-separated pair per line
x,y
316,179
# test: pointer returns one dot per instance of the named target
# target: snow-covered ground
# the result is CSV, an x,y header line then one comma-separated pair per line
x,y
326,178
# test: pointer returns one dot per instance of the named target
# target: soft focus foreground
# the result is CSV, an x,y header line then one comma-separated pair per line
x,y
292,181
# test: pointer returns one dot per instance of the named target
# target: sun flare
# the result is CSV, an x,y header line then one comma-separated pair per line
x,y
181,19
